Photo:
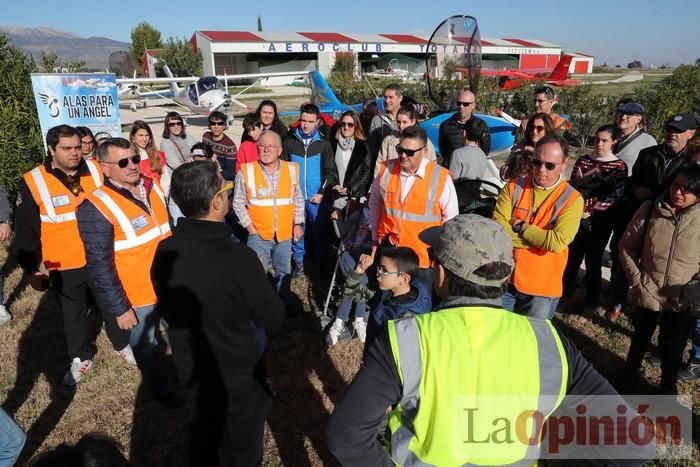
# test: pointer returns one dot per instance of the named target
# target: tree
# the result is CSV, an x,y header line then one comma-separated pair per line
x,y
259,24
587,111
20,133
143,36
634,64
49,62
180,57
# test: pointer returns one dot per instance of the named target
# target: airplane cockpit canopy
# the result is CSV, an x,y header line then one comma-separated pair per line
x,y
203,84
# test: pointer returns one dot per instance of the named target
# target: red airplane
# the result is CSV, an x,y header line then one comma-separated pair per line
x,y
512,79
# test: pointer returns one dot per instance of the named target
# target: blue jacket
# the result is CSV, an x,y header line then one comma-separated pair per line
x,y
317,169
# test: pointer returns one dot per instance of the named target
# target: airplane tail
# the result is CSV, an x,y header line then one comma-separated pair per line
x,y
174,88
561,71
321,93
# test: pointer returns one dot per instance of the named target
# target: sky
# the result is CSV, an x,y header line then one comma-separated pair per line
x,y
614,31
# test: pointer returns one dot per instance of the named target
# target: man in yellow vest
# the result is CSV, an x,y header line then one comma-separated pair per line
x,y
459,381
542,213
269,204
47,232
121,224
410,194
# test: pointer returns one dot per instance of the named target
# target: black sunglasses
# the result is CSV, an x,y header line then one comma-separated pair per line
x,y
347,124
463,104
172,124
123,163
547,165
217,123
408,152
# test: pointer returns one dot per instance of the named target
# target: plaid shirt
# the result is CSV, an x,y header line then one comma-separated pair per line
x,y
240,197
143,195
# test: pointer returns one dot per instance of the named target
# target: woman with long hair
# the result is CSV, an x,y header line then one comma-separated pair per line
x,y
518,163
352,159
87,142
176,143
406,116
152,160
269,117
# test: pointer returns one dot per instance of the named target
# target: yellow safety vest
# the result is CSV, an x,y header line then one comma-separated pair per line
x,y
466,373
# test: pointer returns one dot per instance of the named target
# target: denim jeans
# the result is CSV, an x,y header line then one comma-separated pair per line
x,y
277,254
529,305
695,337
145,347
12,440
317,219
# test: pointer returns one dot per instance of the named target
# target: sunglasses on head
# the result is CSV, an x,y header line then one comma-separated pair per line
x,y
172,124
547,165
217,123
347,124
123,163
463,104
408,152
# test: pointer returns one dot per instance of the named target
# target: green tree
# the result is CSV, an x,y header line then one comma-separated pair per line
x,y
181,58
587,111
259,23
143,36
74,67
21,146
49,62
634,64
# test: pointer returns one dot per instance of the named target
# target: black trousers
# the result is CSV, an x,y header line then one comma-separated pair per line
x,y
674,328
228,422
589,244
82,318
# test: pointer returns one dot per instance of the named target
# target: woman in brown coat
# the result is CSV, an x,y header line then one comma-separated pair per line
x,y
660,253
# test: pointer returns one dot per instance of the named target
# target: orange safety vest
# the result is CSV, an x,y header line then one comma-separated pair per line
x,y
272,213
538,271
403,221
136,237
558,123
61,246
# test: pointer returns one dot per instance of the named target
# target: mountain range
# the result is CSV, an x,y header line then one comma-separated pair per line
x,y
69,47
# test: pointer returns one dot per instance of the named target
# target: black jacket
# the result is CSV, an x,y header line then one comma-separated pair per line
x,y
358,175
451,137
653,169
213,291
97,234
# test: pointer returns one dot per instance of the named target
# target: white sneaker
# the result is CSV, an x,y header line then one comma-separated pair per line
x,y
127,354
360,326
5,316
335,331
77,369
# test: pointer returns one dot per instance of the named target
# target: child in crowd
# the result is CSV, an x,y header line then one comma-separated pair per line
x,y
248,151
398,292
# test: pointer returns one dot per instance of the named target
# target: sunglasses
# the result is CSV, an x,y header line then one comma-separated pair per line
x,y
383,272
408,152
217,123
347,124
173,124
539,127
123,163
547,165
463,104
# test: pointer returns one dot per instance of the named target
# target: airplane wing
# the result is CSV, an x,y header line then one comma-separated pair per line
x,y
508,73
183,79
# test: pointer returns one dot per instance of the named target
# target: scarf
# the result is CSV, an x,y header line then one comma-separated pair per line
x,y
346,144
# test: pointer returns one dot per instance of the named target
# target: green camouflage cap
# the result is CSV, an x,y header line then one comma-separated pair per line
x,y
466,243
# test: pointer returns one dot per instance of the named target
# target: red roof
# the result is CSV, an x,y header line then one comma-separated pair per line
x,y
483,42
232,36
327,37
404,38
523,43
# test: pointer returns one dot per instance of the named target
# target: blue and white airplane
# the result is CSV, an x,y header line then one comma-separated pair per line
x,y
502,131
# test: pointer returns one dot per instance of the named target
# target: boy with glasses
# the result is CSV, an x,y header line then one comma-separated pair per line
x,y
224,148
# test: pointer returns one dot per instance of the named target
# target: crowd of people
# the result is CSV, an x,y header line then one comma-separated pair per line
x,y
141,240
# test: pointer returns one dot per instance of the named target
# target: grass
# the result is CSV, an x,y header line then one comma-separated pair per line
x,y
309,377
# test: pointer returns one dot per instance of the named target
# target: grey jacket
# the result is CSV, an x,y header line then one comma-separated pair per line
x,y
5,208
666,259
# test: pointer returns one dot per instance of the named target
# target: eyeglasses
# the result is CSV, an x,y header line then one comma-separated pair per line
x,y
408,152
463,104
227,186
123,163
217,123
383,272
539,127
547,165
174,124
87,143
347,124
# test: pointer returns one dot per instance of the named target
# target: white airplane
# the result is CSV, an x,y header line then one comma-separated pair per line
x,y
199,94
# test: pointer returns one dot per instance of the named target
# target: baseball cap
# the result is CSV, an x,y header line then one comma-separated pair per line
x,y
467,242
631,108
682,122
